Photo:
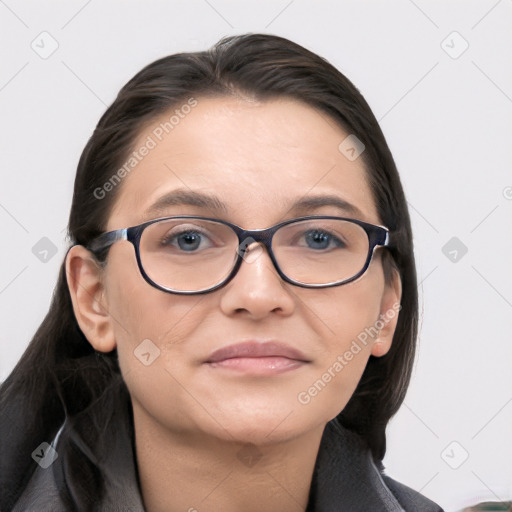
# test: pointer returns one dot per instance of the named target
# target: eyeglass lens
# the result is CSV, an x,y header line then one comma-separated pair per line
x,y
195,254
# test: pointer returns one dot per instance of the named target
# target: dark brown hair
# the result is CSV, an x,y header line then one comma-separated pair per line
x,y
60,374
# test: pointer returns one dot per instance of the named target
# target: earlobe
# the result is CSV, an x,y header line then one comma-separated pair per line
x,y
388,317
84,278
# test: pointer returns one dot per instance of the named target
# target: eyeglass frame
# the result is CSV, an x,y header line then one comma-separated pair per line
x,y
378,236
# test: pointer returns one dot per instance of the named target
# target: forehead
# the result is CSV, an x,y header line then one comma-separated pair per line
x,y
257,158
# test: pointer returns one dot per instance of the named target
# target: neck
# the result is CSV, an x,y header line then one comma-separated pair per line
x,y
197,472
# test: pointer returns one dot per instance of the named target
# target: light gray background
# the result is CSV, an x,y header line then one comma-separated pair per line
x,y
447,118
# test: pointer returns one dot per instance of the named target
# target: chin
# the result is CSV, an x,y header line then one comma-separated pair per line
x,y
266,424
261,435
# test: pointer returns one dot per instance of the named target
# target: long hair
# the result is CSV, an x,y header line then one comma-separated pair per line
x,y
60,374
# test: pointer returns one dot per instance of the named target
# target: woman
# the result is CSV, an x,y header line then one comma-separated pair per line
x,y
235,322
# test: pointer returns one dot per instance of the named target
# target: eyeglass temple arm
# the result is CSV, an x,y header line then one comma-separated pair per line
x,y
105,240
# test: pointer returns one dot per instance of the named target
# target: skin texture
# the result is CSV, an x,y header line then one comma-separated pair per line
x,y
192,421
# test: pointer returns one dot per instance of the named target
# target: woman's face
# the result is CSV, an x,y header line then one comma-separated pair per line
x,y
258,159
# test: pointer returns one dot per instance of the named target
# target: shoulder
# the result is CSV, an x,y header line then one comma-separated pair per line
x,y
41,493
347,477
408,498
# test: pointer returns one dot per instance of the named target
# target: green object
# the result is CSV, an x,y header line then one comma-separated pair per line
x,y
491,506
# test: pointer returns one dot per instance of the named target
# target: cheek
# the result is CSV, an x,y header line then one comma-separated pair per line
x,y
140,311
342,314
141,315
150,327
345,318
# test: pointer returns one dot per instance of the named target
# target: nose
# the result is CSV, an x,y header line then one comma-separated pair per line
x,y
257,287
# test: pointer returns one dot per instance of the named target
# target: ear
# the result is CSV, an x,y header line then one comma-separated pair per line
x,y
84,278
388,317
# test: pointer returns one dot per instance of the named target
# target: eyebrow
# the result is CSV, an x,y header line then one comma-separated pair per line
x,y
180,197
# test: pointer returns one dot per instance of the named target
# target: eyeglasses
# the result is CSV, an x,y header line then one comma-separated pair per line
x,y
192,255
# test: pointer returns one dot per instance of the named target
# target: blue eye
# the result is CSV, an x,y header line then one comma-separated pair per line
x,y
187,240
323,238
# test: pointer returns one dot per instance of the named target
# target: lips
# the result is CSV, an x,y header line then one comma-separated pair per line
x,y
255,349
